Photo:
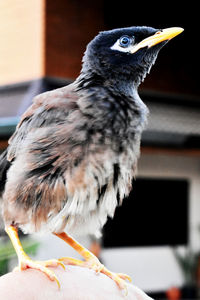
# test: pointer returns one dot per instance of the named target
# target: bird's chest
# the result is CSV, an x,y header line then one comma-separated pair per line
x,y
95,188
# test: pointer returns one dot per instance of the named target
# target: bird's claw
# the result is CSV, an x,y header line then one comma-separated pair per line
x,y
95,265
124,276
41,266
52,263
119,279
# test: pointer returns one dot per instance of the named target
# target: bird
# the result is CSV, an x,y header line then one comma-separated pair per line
x,y
73,155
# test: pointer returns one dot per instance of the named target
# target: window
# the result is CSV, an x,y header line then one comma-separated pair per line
x,y
155,213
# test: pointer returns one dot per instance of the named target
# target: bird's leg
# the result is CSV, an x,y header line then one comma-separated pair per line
x,y
26,262
91,261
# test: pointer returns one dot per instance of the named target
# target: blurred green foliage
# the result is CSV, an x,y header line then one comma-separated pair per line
x,y
7,252
188,263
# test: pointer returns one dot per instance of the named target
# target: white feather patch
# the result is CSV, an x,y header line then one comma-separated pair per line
x,y
83,211
117,47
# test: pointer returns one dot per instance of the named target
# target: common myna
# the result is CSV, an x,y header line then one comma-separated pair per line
x,y
73,155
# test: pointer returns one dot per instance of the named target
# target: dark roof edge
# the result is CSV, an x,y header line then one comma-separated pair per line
x,y
146,94
169,98
24,84
8,125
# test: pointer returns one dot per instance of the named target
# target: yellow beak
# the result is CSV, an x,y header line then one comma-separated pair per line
x,y
158,37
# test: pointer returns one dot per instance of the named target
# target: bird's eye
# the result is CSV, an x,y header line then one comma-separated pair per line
x,y
125,41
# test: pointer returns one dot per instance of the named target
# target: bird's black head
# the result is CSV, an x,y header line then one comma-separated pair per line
x,y
127,53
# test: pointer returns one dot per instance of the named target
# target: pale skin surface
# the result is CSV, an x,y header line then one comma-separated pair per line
x,y
77,283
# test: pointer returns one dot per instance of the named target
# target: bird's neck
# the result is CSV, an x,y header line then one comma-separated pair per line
x,y
119,85
111,95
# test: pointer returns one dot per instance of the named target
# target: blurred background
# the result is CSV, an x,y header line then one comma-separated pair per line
x,y
155,236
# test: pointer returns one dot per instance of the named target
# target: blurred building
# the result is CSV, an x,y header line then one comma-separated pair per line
x,y
42,42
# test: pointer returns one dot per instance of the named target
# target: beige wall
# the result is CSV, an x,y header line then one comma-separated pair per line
x,y
45,37
21,40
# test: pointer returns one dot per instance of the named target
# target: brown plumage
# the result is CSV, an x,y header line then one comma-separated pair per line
x,y
63,154
73,155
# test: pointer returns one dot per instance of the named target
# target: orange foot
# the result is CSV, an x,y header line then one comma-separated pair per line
x,y
26,262
91,261
94,264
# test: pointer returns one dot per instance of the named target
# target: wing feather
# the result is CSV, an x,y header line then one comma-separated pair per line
x,y
48,109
